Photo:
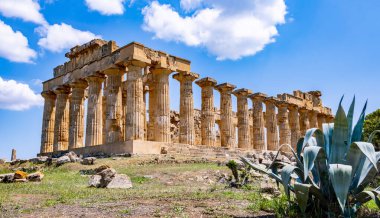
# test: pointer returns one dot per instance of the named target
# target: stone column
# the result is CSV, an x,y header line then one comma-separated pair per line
x,y
243,118
271,123
13,156
124,111
61,127
162,105
94,127
76,114
152,105
208,133
283,122
47,136
330,118
186,109
321,120
258,124
146,90
313,119
113,89
134,129
294,122
227,129
304,120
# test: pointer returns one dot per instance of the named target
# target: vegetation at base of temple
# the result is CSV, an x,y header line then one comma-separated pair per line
x,y
371,124
332,171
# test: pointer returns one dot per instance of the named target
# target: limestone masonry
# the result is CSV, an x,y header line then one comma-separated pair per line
x,y
113,83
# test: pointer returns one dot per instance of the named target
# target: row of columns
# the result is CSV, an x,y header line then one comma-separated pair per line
x,y
124,113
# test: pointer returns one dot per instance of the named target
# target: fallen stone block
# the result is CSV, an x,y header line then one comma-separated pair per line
x,y
94,181
88,161
8,177
121,181
39,160
107,176
101,168
20,175
62,160
35,177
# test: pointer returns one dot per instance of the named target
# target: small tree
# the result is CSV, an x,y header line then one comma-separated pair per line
x,y
372,123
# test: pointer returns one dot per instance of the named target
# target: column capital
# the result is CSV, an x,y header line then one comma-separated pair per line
x,y
81,83
207,81
186,76
95,78
292,106
282,104
303,110
258,96
271,100
114,71
242,92
225,87
62,89
160,71
48,95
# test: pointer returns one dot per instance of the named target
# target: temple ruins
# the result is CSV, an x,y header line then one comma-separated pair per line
x,y
110,99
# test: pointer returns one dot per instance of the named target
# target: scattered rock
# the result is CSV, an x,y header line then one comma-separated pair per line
x,y
101,168
35,177
120,181
267,187
73,157
63,160
20,180
20,175
88,161
94,181
267,163
9,177
107,176
39,160
149,176
2,161
164,150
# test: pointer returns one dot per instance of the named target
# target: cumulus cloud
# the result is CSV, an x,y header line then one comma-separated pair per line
x,y
106,7
17,96
14,45
57,38
226,29
27,10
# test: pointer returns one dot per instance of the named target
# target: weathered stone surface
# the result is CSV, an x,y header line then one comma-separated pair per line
x,y
39,160
3,161
13,156
35,177
94,181
107,176
88,161
63,160
8,177
101,168
120,181
20,175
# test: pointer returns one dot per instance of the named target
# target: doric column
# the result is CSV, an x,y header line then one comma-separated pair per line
x,y
113,89
162,105
227,129
258,125
321,120
304,120
134,129
77,114
313,118
61,127
146,90
271,123
152,105
47,136
186,107
243,118
208,133
94,127
294,123
123,111
283,122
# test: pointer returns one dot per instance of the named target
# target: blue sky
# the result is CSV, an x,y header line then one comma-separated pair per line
x,y
332,46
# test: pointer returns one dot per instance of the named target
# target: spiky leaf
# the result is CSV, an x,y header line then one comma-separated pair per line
x,y
358,129
286,175
339,138
302,195
319,138
328,129
350,116
340,176
370,138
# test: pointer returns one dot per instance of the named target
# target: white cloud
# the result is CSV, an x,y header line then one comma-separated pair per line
x,y
17,96
14,45
225,28
57,38
27,10
106,7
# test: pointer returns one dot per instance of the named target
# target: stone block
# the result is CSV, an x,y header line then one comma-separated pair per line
x,y
120,181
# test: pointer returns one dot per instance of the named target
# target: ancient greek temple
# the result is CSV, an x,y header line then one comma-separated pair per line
x,y
110,99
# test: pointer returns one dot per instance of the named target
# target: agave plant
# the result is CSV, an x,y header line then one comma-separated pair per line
x,y
333,168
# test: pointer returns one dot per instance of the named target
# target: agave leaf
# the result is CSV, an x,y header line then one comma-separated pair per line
x,y
358,129
339,138
320,141
299,147
286,175
309,156
366,196
340,176
356,155
282,147
367,173
370,138
328,129
350,116
260,169
302,195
